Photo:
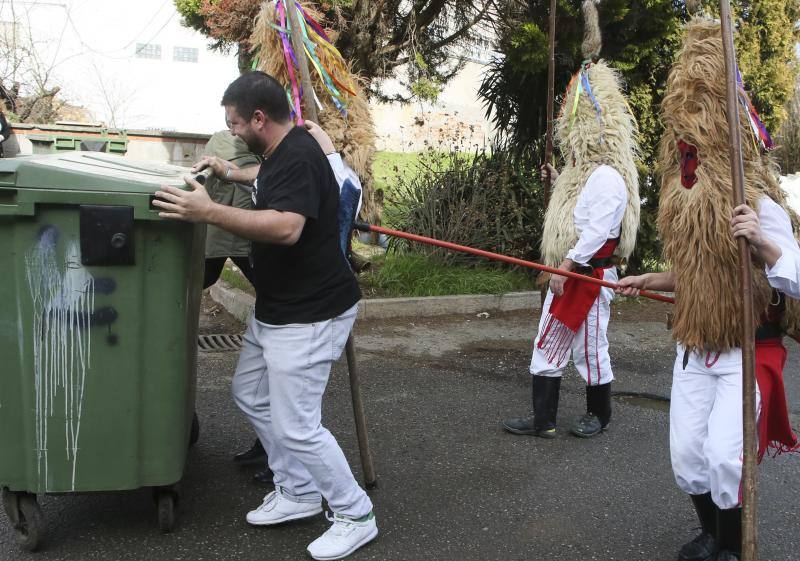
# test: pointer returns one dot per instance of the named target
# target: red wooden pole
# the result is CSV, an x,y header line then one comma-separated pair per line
x,y
504,258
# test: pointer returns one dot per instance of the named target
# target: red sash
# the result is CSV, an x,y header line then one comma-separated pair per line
x,y
775,433
568,311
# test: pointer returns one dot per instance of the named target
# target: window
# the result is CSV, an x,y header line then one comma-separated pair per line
x,y
148,50
185,54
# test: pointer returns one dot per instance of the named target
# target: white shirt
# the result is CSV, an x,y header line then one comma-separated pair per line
x,y
343,172
775,223
598,212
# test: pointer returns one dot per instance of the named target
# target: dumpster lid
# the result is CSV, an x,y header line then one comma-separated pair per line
x,y
89,171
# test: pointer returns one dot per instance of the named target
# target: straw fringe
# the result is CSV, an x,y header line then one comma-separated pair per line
x,y
694,224
354,134
586,143
592,39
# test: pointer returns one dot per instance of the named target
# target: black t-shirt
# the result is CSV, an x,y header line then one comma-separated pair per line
x,y
309,281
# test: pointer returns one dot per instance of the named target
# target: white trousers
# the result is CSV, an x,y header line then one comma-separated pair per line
x,y
282,374
705,435
589,347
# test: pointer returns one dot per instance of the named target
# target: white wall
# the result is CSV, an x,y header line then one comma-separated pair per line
x,y
455,120
91,46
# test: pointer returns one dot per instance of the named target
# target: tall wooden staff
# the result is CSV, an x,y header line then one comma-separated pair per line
x,y
551,72
749,518
310,107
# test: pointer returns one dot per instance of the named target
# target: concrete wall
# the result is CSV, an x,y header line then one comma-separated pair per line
x,y
181,149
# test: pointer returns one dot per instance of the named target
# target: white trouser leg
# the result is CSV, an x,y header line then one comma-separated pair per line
x,y
706,426
690,406
589,347
540,365
285,406
251,392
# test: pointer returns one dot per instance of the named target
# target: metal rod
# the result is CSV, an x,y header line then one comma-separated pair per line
x,y
504,258
370,479
551,73
309,105
749,506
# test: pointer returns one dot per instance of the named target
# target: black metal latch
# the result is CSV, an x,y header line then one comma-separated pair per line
x,y
107,235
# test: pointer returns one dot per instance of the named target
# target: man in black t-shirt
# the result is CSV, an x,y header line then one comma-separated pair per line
x,y
306,303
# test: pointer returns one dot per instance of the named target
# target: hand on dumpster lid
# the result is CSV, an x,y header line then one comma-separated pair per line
x,y
193,205
221,167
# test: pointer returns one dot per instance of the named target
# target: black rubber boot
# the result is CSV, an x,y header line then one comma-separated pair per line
x,y
598,412
545,392
264,476
255,455
704,546
729,534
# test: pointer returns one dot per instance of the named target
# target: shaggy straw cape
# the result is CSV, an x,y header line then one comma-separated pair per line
x,y
587,140
694,224
352,134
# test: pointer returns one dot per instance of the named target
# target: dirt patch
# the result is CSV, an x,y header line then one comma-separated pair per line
x,y
215,319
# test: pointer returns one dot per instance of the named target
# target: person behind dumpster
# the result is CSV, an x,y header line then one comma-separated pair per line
x,y
698,227
222,245
5,130
590,224
306,303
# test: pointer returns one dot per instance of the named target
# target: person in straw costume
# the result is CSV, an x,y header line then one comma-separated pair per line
x,y
699,227
590,224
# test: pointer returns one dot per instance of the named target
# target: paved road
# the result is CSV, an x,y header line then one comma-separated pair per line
x,y
452,484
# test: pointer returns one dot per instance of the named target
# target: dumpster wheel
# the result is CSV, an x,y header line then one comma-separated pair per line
x,y
26,517
166,498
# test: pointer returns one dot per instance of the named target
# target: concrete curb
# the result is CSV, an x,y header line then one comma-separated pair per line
x,y
240,304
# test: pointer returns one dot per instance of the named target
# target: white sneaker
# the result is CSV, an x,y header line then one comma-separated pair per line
x,y
278,508
343,538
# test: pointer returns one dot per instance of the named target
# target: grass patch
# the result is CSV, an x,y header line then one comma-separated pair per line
x,y
413,274
387,167
236,279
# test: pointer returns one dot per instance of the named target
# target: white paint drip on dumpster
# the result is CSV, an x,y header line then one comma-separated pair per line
x,y
63,300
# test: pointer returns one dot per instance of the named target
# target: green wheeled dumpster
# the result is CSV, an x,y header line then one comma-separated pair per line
x,y
98,333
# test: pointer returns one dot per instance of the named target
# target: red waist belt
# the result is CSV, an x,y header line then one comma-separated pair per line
x,y
568,311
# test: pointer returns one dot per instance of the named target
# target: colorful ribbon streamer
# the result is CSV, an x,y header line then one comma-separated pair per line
x,y
314,37
760,133
291,60
582,76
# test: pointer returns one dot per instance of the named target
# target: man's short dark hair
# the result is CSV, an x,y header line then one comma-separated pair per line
x,y
258,91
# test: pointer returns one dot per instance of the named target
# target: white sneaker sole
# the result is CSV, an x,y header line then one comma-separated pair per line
x,y
287,518
368,538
